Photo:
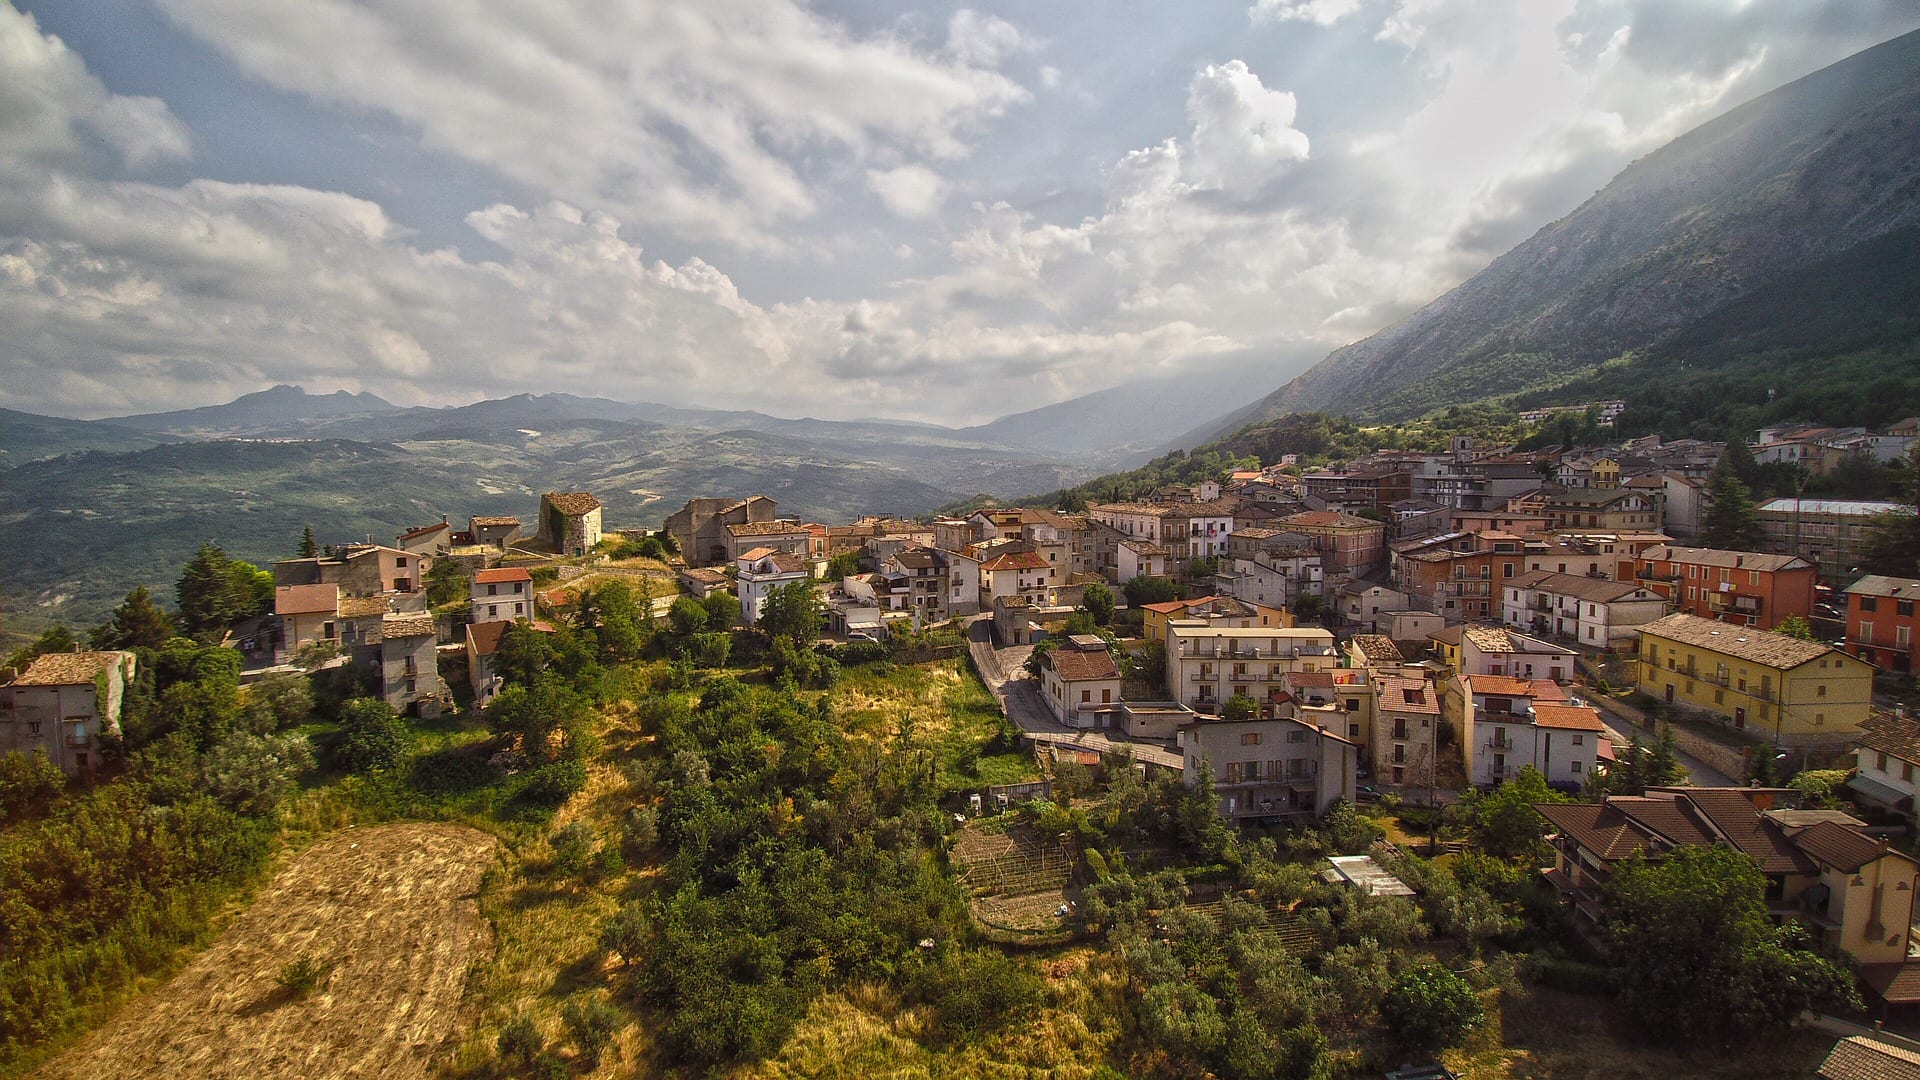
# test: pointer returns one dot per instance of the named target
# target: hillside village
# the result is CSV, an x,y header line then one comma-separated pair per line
x,y
1289,642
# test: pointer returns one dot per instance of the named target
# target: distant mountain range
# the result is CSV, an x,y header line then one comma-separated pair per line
x,y
95,507
1816,184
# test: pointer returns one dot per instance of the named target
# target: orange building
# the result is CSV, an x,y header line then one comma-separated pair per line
x,y
1744,587
1881,625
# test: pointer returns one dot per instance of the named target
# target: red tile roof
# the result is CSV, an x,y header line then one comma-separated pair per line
x,y
424,530
1171,606
502,574
1833,844
306,599
1505,685
485,637
1567,717
1077,665
1018,560
67,668
1408,696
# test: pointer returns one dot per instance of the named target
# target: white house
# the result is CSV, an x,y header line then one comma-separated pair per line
x,y
761,571
1511,723
1018,573
1887,761
1079,679
1207,664
503,594
1595,612
1137,557
1273,769
963,583
1495,650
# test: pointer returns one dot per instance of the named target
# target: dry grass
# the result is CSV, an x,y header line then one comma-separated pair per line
x,y
1543,1033
942,705
392,907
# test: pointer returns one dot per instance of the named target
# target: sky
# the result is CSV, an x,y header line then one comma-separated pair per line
x,y
849,208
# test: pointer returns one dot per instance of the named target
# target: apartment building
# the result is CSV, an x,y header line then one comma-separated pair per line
x,y
1208,664
1746,587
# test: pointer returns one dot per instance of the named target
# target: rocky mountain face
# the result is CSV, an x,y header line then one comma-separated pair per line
x,y
1784,182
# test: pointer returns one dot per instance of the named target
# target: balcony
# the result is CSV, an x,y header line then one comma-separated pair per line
x,y
76,738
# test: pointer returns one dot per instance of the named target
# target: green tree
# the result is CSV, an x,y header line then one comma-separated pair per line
x,y
627,933
611,614
550,719
1201,829
1429,1008
275,702
447,582
1504,820
54,639
843,565
523,654
1730,522
26,781
215,591
373,738
723,609
687,617
1040,651
1099,601
1796,626
252,773
1693,927
308,548
1240,707
138,623
795,611
1147,589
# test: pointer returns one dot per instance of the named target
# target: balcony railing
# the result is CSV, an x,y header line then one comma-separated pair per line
x,y
76,738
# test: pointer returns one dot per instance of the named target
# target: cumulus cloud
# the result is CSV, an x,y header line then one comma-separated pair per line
x,y
911,191
684,115
1318,12
1240,230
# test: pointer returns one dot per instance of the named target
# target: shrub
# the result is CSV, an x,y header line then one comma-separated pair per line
x,y
593,1023
520,1043
1429,1007
27,780
555,782
372,736
978,991
301,977
627,933
572,848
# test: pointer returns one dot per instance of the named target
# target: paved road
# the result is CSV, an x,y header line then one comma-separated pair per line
x,y
1005,673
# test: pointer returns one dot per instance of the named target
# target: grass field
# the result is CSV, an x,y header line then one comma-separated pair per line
x,y
392,908
943,706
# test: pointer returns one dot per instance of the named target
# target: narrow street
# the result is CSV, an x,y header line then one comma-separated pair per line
x,y
1004,671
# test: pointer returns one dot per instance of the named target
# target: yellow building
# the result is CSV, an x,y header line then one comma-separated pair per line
x,y
1781,688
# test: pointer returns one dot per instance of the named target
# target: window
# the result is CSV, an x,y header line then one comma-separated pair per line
x,y
1250,738
1573,766
33,727
1906,771
1353,704
1903,608
1296,736
1866,630
1880,762
1753,577
1086,696
1869,603
1820,691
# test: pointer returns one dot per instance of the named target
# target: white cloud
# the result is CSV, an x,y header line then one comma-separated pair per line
x,y
910,191
52,110
1318,12
1243,133
692,115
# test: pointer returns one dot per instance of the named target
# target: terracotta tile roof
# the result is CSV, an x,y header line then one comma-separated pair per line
x,y
572,503
1449,636
704,575
1081,665
1889,734
305,599
1017,560
756,554
67,668
1736,818
485,637
1316,679
424,530
492,522
1172,606
1488,638
766,528
1601,829
502,574
1408,695
1896,984
789,564
406,626
1329,519
1378,648
1548,690
1732,560
1858,1057
1670,820
1833,844
360,607
1504,685
1743,642
1567,717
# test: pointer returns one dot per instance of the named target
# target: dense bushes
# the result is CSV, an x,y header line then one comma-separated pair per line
x,y
800,859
